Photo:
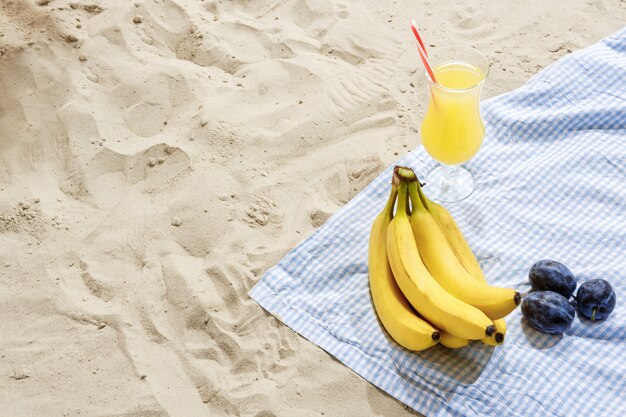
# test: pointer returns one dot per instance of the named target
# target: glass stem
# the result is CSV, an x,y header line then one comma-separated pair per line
x,y
450,176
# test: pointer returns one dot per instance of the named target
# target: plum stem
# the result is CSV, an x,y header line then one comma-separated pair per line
x,y
593,314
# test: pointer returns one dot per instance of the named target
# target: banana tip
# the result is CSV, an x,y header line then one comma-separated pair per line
x,y
517,298
436,335
490,330
499,337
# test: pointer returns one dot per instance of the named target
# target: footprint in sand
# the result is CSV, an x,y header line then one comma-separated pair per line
x,y
261,212
146,118
24,217
342,11
306,13
319,217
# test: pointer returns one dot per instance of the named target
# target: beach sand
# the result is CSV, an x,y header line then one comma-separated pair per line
x,y
157,156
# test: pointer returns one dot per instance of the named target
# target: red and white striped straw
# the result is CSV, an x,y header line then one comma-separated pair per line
x,y
422,50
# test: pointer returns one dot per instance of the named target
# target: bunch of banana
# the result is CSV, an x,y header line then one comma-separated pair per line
x,y
394,312
465,256
418,258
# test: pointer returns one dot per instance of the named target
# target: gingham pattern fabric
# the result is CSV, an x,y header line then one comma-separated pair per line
x,y
551,183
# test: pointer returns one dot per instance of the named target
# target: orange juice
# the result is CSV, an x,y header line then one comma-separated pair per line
x,y
452,130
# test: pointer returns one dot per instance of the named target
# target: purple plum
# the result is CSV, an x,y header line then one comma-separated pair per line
x,y
596,299
548,312
547,275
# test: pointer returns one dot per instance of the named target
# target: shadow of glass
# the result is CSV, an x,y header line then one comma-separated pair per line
x,y
537,339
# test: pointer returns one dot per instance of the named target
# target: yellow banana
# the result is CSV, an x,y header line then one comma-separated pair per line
x,y
393,310
454,236
498,338
464,254
430,300
453,342
441,261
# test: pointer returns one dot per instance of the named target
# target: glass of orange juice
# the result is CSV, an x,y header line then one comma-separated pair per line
x,y
452,130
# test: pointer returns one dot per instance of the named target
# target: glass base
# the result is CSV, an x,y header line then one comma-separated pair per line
x,y
449,184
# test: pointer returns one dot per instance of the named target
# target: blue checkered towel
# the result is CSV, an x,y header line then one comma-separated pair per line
x,y
550,183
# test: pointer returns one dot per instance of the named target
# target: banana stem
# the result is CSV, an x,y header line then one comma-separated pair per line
x,y
404,173
391,201
416,202
423,198
395,180
408,205
402,200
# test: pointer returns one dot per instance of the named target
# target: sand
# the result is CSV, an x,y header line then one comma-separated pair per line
x,y
157,156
